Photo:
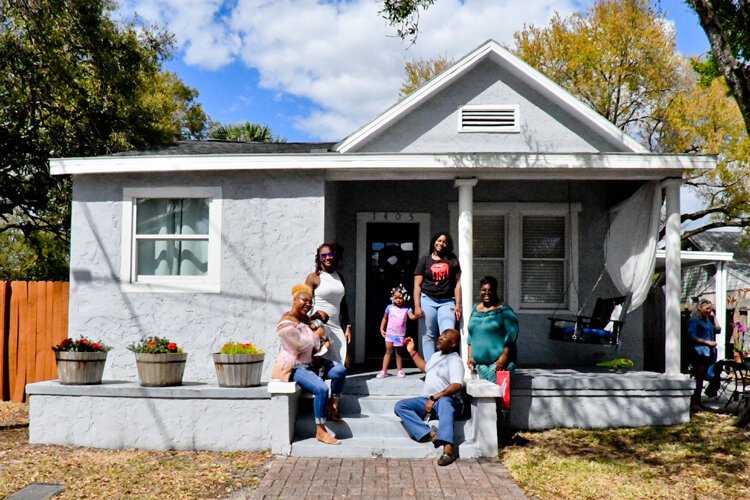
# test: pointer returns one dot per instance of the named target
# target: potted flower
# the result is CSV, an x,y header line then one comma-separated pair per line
x,y
238,365
160,362
80,362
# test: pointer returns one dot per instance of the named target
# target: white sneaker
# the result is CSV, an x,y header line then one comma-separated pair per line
x,y
382,374
401,374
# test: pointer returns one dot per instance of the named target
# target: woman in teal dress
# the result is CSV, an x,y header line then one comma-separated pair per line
x,y
493,329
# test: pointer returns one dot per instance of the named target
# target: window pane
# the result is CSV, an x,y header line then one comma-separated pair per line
x,y
172,258
544,237
489,267
172,216
489,236
543,282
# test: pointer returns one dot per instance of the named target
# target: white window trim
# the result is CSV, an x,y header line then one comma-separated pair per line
x,y
513,230
171,284
515,129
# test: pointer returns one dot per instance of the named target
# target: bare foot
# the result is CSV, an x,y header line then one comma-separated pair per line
x,y
323,436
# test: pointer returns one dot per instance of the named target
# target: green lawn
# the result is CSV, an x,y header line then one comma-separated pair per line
x,y
707,457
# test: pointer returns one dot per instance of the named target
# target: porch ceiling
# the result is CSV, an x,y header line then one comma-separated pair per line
x,y
359,166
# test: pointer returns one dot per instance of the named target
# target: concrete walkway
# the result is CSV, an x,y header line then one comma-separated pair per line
x,y
296,477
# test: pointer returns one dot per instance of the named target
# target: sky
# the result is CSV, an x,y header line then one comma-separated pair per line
x,y
319,70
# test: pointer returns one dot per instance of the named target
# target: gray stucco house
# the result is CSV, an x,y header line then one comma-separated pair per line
x,y
490,149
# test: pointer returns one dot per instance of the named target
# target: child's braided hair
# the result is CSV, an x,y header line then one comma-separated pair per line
x,y
402,290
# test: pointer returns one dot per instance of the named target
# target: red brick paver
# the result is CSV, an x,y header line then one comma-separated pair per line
x,y
295,477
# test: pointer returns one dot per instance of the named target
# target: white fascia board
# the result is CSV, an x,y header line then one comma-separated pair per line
x,y
500,55
693,256
455,163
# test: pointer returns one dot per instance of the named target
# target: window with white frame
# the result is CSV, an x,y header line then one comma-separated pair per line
x,y
531,248
171,239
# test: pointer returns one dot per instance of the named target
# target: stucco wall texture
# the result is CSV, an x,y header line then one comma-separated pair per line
x,y
271,225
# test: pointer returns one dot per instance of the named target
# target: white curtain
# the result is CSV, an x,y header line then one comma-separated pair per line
x,y
631,243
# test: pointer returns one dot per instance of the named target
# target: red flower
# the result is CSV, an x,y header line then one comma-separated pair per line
x,y
84,341
152,342
96,345
172,346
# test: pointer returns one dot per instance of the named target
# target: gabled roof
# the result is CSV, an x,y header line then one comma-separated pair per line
x,y
530,76
723,241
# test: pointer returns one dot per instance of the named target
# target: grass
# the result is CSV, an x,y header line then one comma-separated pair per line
x,y
94,473
705,458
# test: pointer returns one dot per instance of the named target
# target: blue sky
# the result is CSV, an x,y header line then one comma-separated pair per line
x,y
317,70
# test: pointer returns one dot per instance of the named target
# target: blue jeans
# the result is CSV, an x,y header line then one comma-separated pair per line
x,y
412,414
439,315
311,382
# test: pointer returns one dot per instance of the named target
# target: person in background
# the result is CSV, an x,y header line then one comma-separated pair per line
x,y
437,290
702,329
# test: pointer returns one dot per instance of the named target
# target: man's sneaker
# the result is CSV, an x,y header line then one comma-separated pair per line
x,y
401,374
382,374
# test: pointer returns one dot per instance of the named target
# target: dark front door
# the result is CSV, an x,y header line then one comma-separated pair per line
x,y
392,253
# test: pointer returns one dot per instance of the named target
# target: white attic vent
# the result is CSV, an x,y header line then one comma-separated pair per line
x,y
489,118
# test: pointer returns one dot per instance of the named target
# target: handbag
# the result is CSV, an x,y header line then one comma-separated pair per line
x,y
503,381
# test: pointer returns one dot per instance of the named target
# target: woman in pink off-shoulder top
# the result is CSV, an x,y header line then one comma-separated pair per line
x,y
295,361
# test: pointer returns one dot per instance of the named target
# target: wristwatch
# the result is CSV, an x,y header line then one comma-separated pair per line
x,y
432,398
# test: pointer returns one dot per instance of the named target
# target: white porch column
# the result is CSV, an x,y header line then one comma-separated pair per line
x,y
673,268
466,255
721,306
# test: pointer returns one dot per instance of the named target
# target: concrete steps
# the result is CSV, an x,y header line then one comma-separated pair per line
x,y
370,428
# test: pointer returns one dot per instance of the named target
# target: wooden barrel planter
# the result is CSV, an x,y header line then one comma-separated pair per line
x,y
238,370
160,370
80,368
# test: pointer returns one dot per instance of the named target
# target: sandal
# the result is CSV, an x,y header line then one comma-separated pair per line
x,y
328,439
446,459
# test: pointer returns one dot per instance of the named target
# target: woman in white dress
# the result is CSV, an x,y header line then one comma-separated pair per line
x,y
330,297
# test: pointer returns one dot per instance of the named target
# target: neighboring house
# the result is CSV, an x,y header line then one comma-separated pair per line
x,y
202,241
700,281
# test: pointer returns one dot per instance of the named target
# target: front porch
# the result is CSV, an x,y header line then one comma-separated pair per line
x,y
200,416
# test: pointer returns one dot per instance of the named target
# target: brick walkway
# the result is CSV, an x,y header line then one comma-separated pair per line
x,y
293,477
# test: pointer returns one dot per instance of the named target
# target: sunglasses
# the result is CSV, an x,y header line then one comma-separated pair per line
x,y
327,255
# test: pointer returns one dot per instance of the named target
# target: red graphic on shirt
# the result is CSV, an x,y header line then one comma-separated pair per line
x,y
440,271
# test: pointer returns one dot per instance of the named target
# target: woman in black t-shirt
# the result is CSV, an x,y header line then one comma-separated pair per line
x,y
437,291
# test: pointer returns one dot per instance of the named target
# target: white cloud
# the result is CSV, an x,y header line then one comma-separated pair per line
x,y
340,55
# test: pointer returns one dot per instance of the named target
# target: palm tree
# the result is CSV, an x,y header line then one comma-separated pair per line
x,y
243,132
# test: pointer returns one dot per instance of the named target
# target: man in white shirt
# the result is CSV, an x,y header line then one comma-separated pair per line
x,y
441,395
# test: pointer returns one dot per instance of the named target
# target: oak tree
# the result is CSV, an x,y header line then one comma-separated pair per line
x,y
73,82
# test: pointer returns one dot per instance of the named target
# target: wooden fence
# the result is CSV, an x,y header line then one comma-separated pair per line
x,y
33,318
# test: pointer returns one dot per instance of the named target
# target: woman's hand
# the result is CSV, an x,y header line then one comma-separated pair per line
x,y
472,366
502,362
418,312
382,333
348,334
458,312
